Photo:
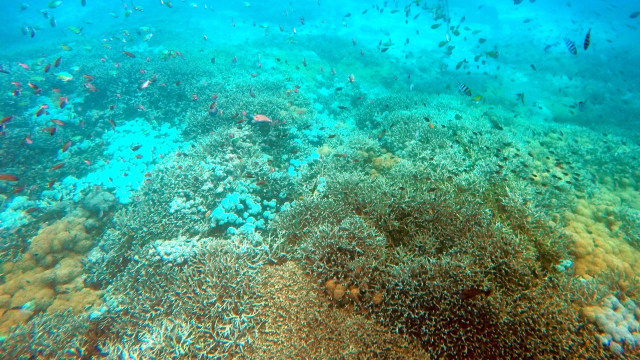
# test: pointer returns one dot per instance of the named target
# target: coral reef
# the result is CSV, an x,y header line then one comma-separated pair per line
x,y
441,265
48,277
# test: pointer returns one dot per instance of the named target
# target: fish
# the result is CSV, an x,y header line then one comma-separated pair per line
x,y
57,62
58,122
435,26
129,54
471,292
84,2
6,119
57,166
55,4
63,102
587,39
52,22
8,177
516,2
64,76
534,67
145,84
113,124
74,29
24,66
571,46
136,147
634,14
464,89
261,118
65,47
46,68
66,146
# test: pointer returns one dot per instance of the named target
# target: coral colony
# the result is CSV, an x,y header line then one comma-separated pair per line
x,y
319,180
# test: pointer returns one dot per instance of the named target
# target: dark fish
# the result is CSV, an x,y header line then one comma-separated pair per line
x,y
347,15
342,107
634,14
32,31
57,62
129,54
2,70
587,39
516,2
84,2
470,293
384,49
464,89
534,67
46,68
365,11
52,22
571,46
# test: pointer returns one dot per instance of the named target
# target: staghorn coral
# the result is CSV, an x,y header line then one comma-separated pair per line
x,y
461,274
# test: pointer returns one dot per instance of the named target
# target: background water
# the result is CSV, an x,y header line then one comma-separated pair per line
x,y
174,132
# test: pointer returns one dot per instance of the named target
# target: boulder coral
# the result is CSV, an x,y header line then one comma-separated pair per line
x,y
48,277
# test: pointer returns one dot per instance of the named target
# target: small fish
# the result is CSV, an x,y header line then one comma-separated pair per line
x,y
470,293
520,97
66,146
57,62
534,67
587,39
381,135
634,14
8,177
6,119
55,4
65,47
52,22
57,166
47,67
435,26
74,29
384,49
113,124
136,147
261,118
63,102
464,89
58,122
84,2
129,54
571,46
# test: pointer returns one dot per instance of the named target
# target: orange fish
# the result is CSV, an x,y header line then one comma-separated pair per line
x,y
6,119
57,166
8,177
66,145
261,118
33,86
113,124
24,66
88,77
28,140
90,87
59,122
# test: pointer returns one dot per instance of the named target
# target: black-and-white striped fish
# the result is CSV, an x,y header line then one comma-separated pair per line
x,y
571,46
464,89
587,39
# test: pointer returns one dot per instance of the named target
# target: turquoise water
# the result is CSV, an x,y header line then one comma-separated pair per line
x,y
319,179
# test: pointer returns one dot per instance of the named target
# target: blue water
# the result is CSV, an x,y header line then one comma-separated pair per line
x,y
208,179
